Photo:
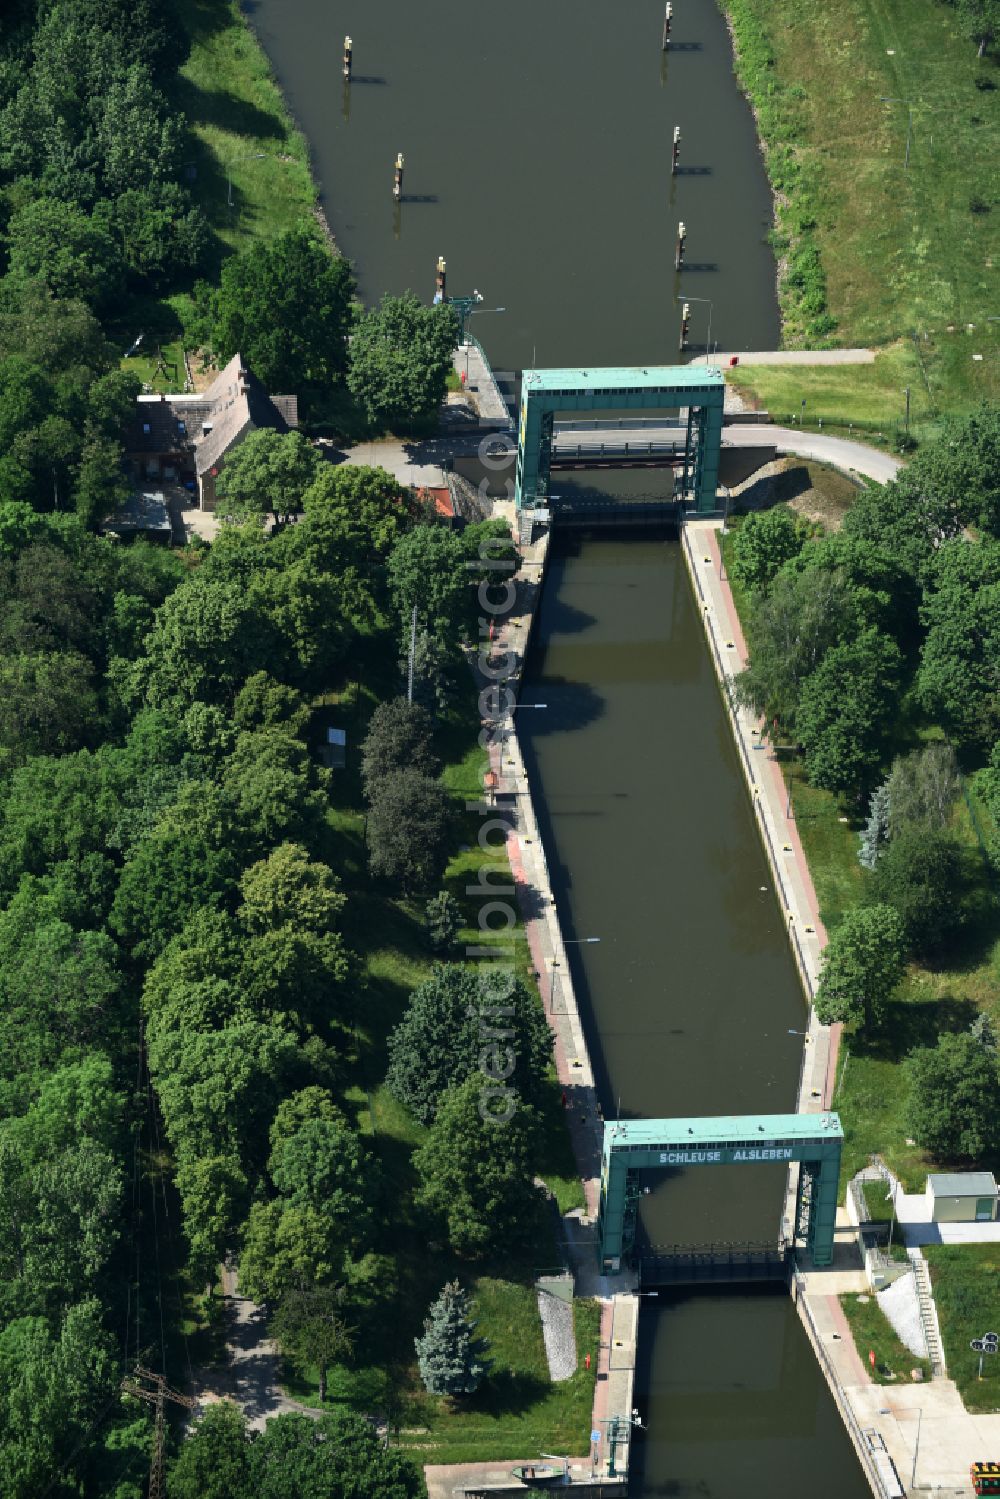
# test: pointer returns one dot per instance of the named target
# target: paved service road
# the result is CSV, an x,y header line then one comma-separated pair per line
x,y
419,463
871,463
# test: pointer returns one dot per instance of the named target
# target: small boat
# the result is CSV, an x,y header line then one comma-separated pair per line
x,y
538,1475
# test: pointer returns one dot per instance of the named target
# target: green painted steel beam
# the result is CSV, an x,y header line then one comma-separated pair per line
x,y
619,388
635,1145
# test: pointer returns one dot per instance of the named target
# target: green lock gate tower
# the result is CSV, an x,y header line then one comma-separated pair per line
x,y
697,390
636,1145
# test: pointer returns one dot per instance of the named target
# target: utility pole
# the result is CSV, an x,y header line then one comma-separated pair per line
x,y
413,647
157,1397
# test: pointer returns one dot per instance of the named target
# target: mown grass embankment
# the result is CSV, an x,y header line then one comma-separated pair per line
x,y
242,132
873,251
874,1333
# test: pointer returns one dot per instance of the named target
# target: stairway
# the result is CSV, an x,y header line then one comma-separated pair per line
x,y
526,530
928,1311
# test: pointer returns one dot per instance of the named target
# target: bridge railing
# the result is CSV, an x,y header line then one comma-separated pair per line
x,y
618,424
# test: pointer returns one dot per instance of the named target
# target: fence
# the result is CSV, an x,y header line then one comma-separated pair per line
x,y
862,1446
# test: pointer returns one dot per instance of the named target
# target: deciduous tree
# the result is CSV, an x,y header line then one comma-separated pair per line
x,y
953,1109
862,966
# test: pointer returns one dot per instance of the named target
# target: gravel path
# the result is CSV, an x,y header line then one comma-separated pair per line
x,y
560,1340
899,1302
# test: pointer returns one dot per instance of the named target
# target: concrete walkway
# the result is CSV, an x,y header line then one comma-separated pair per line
x,y
251,1376
790,356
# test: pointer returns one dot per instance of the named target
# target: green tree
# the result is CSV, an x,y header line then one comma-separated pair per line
x,y
288,1247
209,637
286,307
53,1389
214,1459
980,21
400,737
764,542
102,485
72,254
213,1192
323,1165
47,703
442,919
921,874
863,963
953,1109
427,569
337,1457
477,1169
367,507
461,1019
410,829
309,1326
847,709
450,1357
265,703
401,353
922,788
269,471
802,617
289,888
957,682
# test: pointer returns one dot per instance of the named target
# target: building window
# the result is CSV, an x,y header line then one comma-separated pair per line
x,y
182,428
145,428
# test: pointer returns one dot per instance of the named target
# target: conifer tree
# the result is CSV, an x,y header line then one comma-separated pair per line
x,y
450,1357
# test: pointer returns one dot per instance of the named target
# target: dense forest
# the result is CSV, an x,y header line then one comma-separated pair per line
x,y
177,991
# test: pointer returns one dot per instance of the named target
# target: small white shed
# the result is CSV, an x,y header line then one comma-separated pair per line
x,y
962,1197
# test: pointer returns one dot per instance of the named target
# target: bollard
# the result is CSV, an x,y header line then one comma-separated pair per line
x,y
397,181
676,153
439,280
668,16
679,251
685,315
348,57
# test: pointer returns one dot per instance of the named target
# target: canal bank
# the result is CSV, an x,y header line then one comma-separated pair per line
x,y
676,1328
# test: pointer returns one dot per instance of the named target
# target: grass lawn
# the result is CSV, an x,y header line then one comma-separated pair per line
x,y
242,133
905,250
872,1331
878,1200
966,1282
865,397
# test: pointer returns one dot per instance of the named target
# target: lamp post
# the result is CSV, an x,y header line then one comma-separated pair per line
x,y
891,99
577,941
249,156
689,298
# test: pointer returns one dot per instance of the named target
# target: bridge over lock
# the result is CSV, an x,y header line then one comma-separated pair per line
x,y
810,1143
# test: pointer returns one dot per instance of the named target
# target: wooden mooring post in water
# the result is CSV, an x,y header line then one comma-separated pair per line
x,y
675,153
668,16
679,250
685,316
397,181
348,57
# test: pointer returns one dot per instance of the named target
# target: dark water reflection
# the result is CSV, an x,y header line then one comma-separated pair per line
x,y
537,145
689,997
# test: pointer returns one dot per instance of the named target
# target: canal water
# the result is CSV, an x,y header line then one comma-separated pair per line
x,y
689,997
537,144
537,141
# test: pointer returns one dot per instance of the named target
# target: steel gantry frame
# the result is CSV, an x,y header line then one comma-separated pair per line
x,y
696,389
815,1140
